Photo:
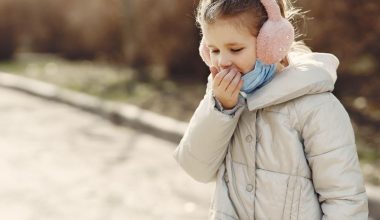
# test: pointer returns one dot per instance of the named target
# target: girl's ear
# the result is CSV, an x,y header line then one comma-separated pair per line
x,y
204,52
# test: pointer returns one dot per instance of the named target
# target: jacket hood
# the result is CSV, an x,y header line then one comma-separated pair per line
x,y
306,74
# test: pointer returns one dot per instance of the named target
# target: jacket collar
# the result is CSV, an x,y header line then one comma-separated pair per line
x,y
306,74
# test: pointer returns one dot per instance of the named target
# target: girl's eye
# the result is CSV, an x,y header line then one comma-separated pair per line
x,y
236,50
214,51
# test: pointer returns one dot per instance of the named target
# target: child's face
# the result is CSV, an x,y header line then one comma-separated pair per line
x,y
230,45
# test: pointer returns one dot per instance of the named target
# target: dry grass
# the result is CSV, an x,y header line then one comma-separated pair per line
x,y
119,83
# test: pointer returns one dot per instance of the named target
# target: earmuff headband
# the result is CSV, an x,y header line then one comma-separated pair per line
x,y
275,38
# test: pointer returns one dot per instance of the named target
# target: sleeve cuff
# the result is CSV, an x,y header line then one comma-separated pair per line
x,y
232,111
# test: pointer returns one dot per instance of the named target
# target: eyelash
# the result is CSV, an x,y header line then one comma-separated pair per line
x,y
232,50
236,50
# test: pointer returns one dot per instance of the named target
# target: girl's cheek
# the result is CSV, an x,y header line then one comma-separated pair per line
x,y
214,62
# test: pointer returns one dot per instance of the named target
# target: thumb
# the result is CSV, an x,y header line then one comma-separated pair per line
x,y
213,71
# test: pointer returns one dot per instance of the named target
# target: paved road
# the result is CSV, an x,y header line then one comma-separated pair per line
x,y
60,163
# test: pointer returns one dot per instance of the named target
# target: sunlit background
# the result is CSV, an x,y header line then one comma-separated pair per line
x,y
145,53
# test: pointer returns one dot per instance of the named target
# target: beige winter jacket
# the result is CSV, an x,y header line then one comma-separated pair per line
x,y
288,152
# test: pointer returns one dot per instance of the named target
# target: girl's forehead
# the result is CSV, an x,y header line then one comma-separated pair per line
x,y
225,30
224,23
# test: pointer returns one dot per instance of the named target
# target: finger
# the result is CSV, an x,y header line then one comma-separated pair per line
x,y
219,77
213,71
228,79
238,87
234,83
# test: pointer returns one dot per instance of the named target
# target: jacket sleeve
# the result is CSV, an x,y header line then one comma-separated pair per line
x,y
204,144
331,153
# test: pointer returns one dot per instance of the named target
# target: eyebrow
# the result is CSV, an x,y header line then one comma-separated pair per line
x,y
229,44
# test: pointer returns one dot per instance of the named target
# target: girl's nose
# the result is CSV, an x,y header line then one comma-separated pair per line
x,y
224,62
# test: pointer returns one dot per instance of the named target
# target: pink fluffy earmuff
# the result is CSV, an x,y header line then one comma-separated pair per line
x,y
274,40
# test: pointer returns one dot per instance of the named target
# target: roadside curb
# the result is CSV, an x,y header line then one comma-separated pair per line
x,y
119,113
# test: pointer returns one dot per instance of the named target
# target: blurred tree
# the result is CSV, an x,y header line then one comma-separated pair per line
x,y
44,29
75,29
7,41
8,32
163,33
349,29
93,29
161,37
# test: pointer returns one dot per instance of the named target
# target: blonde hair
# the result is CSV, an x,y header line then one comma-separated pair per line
x,y
252,15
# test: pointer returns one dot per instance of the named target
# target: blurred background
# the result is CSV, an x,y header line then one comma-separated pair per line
x,y
145,52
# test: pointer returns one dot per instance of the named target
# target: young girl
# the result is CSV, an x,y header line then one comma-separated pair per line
x,y
269,131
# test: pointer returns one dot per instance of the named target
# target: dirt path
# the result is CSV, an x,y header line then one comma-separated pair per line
x,y
60,163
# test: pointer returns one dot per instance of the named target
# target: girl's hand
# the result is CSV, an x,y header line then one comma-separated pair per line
x,y
226,86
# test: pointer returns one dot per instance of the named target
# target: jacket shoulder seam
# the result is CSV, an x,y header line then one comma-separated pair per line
x,y
313,108
328,100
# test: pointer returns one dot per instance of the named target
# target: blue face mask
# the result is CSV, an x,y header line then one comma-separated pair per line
x,y
258,77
